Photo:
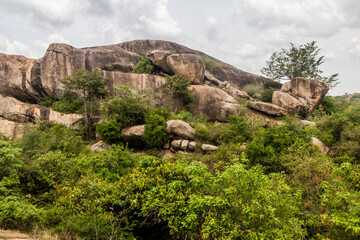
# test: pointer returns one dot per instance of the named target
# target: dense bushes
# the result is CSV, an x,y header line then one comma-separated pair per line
x,y
179,89
144,66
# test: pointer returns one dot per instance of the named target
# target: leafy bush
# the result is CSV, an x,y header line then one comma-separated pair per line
x,y
50,137
155,134
210,65
179,88
144,66
68,103
10,165
18,214
254,90
266,95
110,131
127,108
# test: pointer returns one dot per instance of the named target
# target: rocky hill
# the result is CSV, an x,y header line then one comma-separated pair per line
x,y
215,84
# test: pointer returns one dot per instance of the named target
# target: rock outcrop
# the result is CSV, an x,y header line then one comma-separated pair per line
x,y
268,108
190,66
179,128
321,145
300,95
133,135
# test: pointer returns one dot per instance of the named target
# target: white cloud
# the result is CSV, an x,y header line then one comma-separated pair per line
x,y
14,47
56,37
353,48
211,28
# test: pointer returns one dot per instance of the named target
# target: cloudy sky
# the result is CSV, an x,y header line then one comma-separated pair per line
x,y
241,32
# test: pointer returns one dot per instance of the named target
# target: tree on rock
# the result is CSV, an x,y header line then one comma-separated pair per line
x,y
301,61
90,86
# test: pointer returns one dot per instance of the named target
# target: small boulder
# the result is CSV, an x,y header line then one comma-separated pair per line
x,y
190,66
305,123
184,144
208,147
165,154
133,135
192,146
100,146
180,129
321,145
176,144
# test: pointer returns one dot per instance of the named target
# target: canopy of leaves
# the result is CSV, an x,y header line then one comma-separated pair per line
x,y
301,61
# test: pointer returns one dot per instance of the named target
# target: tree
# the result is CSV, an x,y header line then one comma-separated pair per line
x,y
301,61
90,86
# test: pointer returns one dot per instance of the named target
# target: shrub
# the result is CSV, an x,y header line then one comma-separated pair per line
x,y
144,66
254,90
68,103
110,131
210,65
155,134
266,95
18,214
127,107
179,88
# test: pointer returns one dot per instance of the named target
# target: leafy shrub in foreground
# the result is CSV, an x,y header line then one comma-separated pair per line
x,y
155,134
266,95
179,88
110,131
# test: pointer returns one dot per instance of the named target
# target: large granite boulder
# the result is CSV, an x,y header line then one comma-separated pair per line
x,y
291,104
179,128
158,58
306,90
12,129
190,66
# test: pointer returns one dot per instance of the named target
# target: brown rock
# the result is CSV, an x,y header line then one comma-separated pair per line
x,y
190,66
311,90
179,128
184,144
100,146
11,129
321,145
307,123
192,146
158,58
289,103
176,144
208,147
214,102
15,110
133,135
268,108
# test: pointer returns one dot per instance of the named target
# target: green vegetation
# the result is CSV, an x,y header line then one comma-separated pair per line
x,y
144,66
179,88
210,65
266,95
276,186
254,90
68,103
301,61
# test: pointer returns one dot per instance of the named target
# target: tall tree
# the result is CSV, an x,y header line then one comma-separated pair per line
x,y
301,61
90,86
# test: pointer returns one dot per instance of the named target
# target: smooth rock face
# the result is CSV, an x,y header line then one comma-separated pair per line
x,y
321,145
190,66
176,144
133,135
180,128
214,102
192,146
11,129
268,108
184,144
291,104
208,147
15,110
311,90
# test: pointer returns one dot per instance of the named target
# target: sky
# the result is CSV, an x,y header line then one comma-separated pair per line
x,y
242,33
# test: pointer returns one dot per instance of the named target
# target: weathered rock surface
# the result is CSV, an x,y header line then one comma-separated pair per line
x,y
184,144
214,102
158,58
133,135
15,110
192,146
307,123
179,128
176,144
208,147
321,145
100,146
190,66
291,104
310,90
268,108
11,129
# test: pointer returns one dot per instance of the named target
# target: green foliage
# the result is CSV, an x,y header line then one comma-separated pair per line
x,y
144,66
51,137
128,108
68,103
301,61
110,131
266,95
155,134
254,90
10,165
18,214
210,65
179,88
